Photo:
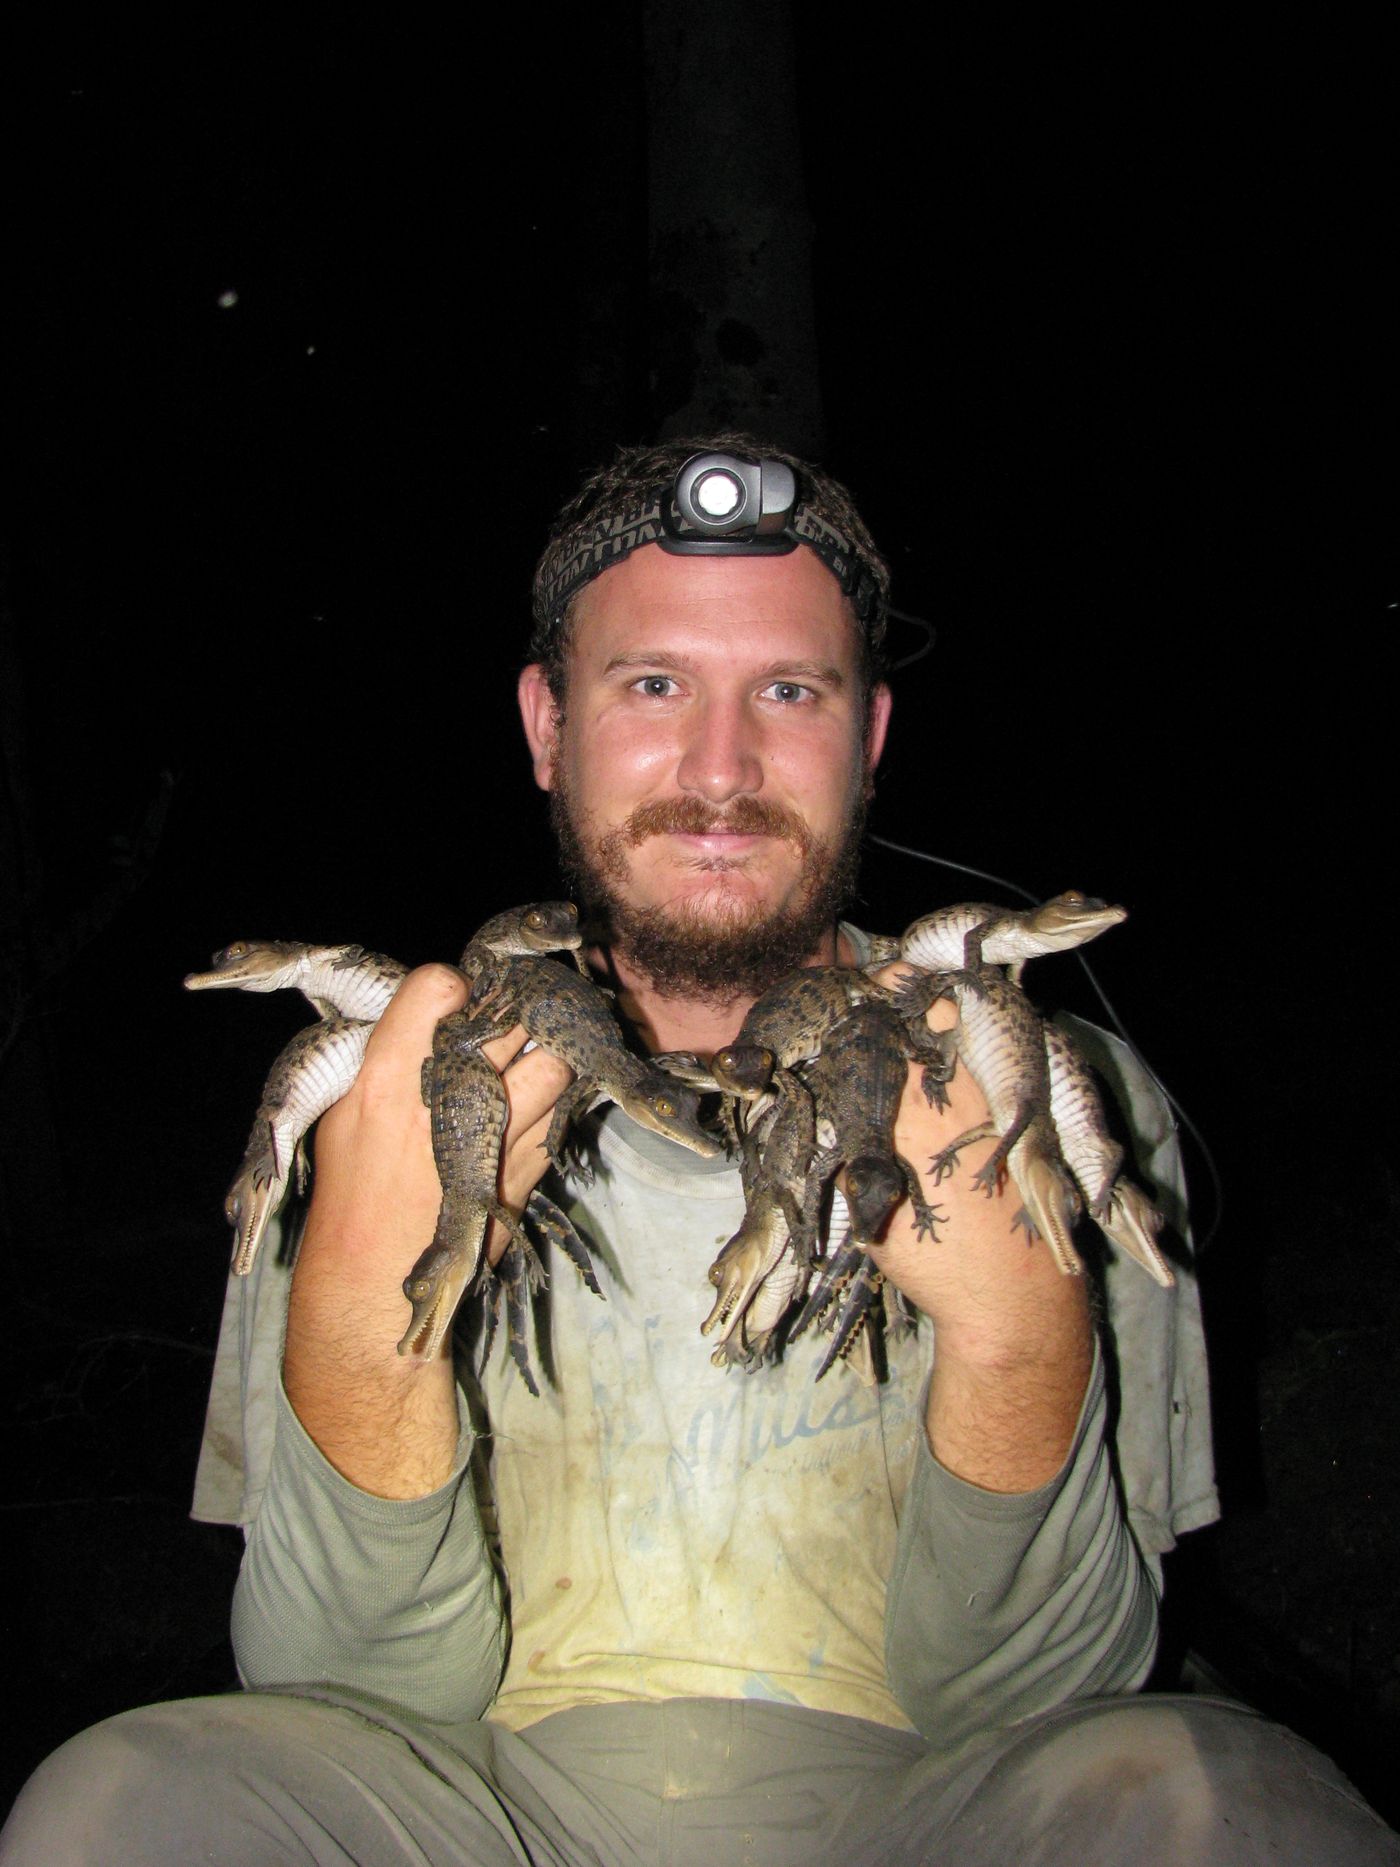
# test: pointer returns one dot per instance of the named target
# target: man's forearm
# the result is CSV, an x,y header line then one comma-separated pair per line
x,y
392,1599
1002,1410
387,1422
1001,1606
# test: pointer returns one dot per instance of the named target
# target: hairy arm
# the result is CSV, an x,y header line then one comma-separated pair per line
x,y
367,1568
1017,1584
388,1422
1014,1336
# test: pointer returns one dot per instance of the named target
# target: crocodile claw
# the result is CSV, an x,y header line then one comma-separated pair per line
x,y
556,1228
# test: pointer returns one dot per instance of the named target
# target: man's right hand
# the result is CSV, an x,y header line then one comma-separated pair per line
x,y
388,1422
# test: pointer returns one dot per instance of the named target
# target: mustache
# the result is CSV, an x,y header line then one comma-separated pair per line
x,y
692,816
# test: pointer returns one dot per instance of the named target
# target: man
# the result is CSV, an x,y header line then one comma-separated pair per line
x,y
742,1618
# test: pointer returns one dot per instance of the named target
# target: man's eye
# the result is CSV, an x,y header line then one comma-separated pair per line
x,y
788,691
656,686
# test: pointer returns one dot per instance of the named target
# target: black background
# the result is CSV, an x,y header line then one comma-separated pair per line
x,y
1107,349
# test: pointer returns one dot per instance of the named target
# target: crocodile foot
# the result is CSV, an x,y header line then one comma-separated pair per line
x,y
912,993
945,1161
827,1287
513,1277
521,1240
734,1352
926,1217
556,1228
855,1313
990,1178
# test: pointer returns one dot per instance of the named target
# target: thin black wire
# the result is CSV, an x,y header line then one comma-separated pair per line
x,y
926,648
946,862
1000,881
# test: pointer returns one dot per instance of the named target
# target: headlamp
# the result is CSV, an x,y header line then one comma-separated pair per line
x,y
718,505
722,504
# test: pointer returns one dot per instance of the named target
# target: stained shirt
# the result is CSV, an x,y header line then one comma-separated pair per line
x,y
652,1527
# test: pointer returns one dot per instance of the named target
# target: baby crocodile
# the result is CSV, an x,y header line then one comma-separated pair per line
x,y
343,981
314,1070
975,934
858,1081
1000,1037
469,1111
1121,1210
758,1272
547,927
787,1026
571,1018
351,988
847,1296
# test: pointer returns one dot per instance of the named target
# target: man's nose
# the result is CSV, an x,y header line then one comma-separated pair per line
x,y
721,758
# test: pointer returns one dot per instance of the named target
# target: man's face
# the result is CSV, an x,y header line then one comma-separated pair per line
x,y
709,772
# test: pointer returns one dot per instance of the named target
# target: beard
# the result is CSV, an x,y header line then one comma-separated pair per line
x,y
715,948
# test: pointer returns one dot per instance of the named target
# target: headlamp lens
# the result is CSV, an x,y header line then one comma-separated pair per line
x,y
718,494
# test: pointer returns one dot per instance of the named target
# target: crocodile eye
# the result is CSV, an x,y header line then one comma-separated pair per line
x,y
1072,898
534,918
664,1106
417,1288
236,949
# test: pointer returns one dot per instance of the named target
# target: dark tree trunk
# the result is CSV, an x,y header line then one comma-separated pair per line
x,y
31,1175
733,332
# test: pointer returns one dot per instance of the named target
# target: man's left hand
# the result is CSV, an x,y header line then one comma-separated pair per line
x,y
1013,1336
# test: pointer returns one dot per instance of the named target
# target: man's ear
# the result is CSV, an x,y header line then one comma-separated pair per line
x,y
881,702
541,721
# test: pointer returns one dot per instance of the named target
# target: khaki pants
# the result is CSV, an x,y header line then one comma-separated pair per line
x,y
272,1777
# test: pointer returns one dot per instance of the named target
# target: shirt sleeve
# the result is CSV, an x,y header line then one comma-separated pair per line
x,y
1003,1606
397,1603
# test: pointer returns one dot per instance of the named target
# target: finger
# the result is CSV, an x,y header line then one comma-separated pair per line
x,y
389,1084
523,1165
534,1083
404,1035
503,1050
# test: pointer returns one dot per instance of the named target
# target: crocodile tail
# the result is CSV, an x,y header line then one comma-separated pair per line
x,y
1132,1223
1050,1205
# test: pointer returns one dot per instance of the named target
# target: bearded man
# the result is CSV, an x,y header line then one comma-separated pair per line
x,y
734,1619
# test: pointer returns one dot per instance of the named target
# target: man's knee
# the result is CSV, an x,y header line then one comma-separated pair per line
x,y
79,1803
1168,1779
251,1776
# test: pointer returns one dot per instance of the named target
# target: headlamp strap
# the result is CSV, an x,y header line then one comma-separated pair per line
x,y
656,520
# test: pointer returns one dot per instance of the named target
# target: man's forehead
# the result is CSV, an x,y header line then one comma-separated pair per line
x,y
652,591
